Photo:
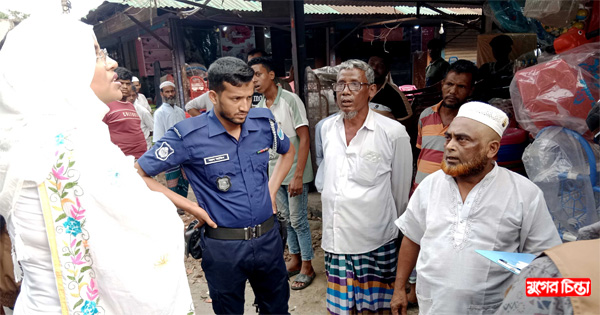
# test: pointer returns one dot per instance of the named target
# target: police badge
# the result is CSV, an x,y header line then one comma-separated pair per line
x,y
224,183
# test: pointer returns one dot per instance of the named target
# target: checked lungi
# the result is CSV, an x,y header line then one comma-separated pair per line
x,y
177,181
361,283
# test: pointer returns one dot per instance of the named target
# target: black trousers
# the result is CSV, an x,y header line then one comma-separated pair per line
x,y
228,264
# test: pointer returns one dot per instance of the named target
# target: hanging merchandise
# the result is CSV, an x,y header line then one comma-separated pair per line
x,y
510,19
552,13
558,92
563,165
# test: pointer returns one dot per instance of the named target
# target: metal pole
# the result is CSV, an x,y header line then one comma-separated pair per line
x,y
298,46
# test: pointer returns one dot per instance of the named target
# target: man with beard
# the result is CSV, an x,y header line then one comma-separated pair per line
x,y
367,166
123,121
166,117
225,153
388,100
434,121
471,204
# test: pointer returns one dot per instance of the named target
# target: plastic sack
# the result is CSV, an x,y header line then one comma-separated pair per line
x,y
563,165
509,17
558,92
553,13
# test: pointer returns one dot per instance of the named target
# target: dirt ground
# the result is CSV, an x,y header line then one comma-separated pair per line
x,y
308,301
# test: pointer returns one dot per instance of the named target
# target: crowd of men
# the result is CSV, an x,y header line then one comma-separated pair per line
x,y
245,153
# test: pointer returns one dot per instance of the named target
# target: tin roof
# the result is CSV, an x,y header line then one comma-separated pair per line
x,y
342,7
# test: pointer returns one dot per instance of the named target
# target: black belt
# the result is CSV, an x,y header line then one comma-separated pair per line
x,y
248,233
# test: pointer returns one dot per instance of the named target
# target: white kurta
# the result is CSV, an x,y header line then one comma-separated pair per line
x,y
165,117
503,212
366,183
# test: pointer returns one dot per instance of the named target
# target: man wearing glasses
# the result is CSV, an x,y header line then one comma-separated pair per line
x,y
367,167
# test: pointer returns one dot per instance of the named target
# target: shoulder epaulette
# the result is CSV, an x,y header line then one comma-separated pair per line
x,y
188,125
260,113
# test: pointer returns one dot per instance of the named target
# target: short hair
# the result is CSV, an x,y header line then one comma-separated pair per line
x,y
133,88
266,62
257,51
358,64
386,57
123,73
464,66
231,70
435,44
501,41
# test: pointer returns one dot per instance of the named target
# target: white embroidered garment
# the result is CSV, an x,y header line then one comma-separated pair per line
x,y
129,236
503,212
365,183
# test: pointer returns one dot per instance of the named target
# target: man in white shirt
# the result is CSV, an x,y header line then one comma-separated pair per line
x,y
141,98
470,204
367,167
199,105
165,117
147,121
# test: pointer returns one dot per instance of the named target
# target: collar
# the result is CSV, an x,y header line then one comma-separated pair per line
x,y
369,122
436,107
491,175
263,102
215,127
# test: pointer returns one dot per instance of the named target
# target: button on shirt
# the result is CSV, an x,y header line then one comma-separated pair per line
x,y
228,176
365,183
165,117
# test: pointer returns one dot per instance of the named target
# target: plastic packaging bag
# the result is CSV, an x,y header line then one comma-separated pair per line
x,y
508,15
559,92
553,13
561,163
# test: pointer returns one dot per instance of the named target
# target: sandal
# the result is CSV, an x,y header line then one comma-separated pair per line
x,y
293,273
304,279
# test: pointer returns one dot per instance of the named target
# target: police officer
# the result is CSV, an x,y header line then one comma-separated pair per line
x,y
225,154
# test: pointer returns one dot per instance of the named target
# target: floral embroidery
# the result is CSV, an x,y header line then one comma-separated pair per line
x,y
73,226
89,308
69,216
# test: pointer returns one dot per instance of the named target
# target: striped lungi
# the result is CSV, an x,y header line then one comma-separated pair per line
x,y
361,283
177,181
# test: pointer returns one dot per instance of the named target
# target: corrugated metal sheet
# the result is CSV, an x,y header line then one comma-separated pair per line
x,y
227,5
255,6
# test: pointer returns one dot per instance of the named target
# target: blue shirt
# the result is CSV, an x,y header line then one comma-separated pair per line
x,y
228,176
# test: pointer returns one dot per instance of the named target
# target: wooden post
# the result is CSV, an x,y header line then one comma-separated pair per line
x,y
298,46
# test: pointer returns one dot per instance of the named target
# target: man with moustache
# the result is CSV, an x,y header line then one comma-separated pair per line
x,y
166,117
225,154
367,166
457,86
388,100
471,204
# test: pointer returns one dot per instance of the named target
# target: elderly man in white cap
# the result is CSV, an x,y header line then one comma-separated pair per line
x,y
470,204
141,98
165,117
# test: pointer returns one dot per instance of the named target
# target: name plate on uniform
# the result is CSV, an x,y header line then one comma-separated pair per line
x,y
216,159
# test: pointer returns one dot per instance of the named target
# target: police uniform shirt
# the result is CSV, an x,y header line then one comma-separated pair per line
x,y
228,176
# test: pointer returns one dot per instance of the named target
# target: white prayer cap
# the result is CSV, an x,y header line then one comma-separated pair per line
x,y
166,83
135,79
485,114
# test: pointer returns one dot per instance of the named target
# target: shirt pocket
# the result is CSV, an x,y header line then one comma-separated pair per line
x,y
220,175
367,168
260,165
